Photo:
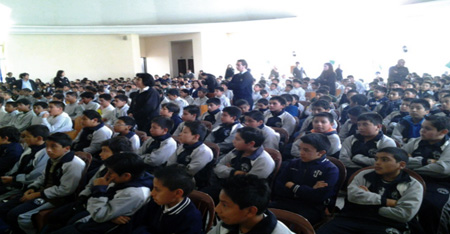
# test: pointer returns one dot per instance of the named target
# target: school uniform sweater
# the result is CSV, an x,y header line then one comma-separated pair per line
x,y
348,129
355,153
134,139
9,155
281,119
214,117
155,151
305,175
271,138
371,205
60,123
7,118
421,151
184,217
90,139
73,110
223,135
259,163
22,121
406,129
332,136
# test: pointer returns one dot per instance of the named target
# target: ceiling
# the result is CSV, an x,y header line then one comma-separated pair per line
x,y
154,17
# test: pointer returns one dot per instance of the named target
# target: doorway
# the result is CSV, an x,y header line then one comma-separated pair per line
x,y
182,57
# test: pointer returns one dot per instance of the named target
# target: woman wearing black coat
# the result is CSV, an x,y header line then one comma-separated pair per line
x,y
60,80
328,78
145,105
229,73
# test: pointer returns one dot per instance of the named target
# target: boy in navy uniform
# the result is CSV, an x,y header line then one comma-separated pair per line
x,y
379,200
378,97
243,207
190,113
223,135
214,113
170,210
10,148
305,184
55,187
430,154
359,150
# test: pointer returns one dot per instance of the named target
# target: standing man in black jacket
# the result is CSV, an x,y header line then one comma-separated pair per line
x,y
398,72
242,83
145,105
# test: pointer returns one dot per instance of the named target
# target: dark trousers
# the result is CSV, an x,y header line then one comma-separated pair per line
x,y
345,225
311,213
64,215
431,213
92,227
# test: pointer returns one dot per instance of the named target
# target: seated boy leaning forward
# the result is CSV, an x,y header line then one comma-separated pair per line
x,y
55,187
359,150
430,158
170,210
242,207
307,183
379,200
193,154
249,157
116,197
73,211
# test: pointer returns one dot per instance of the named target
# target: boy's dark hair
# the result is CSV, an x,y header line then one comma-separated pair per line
x,y
297,81
357,110
289,85
423,102
173,92
41,104
249,134
219,88
203,90
14,104
427,95
214,101
163,122
175,177
59,96
126,162
323,90
399,91
414,91
352,91
92,114
407,99
381,89
295,97
197,128
73,94
398,153
233,111
241,102
247,191
128,121
326,115
37,95
24,101
263,101
184,91
372,117
118,144
38,130
193,110
321,103
11,132
317,140
172,107
359,99
288,97
87,95
58,104
105,96
279,99
262,92
326,98
256,115
60,138
439,122
122,97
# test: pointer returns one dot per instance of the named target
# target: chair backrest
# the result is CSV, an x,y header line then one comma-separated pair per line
x,y
276,156
340,182
409,171
87,158
214,147
205,204
207,124
305,103
293,221
284,135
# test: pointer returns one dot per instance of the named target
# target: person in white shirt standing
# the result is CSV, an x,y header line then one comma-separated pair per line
x,y
106,108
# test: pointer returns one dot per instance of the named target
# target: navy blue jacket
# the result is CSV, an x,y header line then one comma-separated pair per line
x,y
305,175
372,103
184,218
9,155
241,84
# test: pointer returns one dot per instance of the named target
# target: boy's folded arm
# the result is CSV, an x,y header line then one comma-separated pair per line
x,y
357,195
363,160
407,206
70,179
39,169
125,202
221,169
318,194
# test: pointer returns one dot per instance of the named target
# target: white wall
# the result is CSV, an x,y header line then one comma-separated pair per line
x,y
159,54
93,56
